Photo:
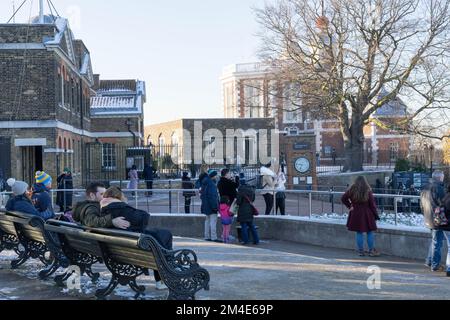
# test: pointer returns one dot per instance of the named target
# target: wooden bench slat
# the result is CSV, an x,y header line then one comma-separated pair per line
x,y
136,257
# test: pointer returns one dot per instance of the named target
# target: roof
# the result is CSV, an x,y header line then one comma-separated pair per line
x,y
117,86
118,98
394,108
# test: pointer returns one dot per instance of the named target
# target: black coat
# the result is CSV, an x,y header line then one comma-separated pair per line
x,y
149,173
187,184
228,188
138,219
64,198
245,212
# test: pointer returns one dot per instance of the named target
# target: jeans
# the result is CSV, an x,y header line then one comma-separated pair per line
x,y
370,240
268,198
211,227
281,205
244,229
434,253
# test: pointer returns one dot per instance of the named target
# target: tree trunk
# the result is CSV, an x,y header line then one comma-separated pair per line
x,y
354,147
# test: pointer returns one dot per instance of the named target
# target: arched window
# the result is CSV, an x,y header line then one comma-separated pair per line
x,y
65,144
161,143
174,139
59,143
149,140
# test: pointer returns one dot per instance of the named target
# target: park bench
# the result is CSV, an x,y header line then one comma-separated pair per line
x,y
8,235
81,251
129,255
34,242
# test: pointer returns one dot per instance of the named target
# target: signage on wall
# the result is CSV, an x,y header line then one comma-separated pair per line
x,y
302,146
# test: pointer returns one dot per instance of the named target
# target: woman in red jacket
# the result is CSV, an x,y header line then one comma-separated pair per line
x,y
363,214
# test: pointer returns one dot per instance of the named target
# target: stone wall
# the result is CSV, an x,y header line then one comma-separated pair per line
x,y
399,242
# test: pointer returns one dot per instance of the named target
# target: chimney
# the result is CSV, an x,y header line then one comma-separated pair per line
x,y
96,82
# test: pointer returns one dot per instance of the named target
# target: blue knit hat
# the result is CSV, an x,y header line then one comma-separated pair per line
x,y
43,178
212,173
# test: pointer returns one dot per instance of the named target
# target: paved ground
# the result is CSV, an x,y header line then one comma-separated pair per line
x,y
274,270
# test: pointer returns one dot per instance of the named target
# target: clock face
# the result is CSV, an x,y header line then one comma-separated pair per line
x,y
302,165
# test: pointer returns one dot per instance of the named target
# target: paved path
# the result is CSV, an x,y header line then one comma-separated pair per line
x,y
274,270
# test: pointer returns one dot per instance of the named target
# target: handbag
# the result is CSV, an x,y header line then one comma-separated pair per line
x,y
255,211
234,209
439,217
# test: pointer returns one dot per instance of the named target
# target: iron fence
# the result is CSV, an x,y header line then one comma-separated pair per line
x,y
303,203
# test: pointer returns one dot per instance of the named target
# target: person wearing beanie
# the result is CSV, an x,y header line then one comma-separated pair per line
x,y
41,197
64,198
20,202
210,205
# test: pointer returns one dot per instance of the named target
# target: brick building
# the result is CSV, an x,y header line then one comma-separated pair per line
x,y
180,140
46,82
248,92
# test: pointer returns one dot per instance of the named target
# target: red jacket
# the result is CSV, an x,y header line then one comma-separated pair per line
x,y
362,216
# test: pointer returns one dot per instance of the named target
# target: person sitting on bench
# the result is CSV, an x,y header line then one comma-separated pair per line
x,y
115,213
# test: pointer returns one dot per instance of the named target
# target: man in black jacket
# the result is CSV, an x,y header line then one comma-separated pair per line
x,y
149,173
227,187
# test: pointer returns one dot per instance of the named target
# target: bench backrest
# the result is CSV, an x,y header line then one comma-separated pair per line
x,y
6,225
30,227
120,246
72,235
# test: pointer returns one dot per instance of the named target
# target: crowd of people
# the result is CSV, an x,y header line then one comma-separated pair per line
x,y
228,198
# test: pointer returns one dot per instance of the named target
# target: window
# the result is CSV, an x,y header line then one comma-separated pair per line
x,y
109,156
161,142
394,148
328,150
292,103
254,100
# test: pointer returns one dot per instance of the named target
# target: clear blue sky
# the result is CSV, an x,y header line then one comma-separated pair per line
x,y
178,47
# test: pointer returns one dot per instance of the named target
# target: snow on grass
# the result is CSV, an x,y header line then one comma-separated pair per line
x,y
410,220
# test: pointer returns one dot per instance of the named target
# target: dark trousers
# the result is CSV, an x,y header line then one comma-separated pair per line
x,y
187,204
268,198
165,239
281,205
149,187
245,226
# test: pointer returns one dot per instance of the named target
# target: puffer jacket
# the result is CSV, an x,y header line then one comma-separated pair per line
x,y
23,204
209,196
268,180
41,198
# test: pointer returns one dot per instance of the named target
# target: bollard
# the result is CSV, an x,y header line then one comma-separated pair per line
x,y
136,199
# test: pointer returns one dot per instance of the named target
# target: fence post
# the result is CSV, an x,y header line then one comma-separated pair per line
x,y
332,199
170,196
395,209
274,209
310,205
178,201
136,198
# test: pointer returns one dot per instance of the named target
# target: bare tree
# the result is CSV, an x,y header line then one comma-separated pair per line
x,y
351,57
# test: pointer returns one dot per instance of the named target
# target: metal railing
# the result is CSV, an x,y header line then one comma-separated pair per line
x,y
305,203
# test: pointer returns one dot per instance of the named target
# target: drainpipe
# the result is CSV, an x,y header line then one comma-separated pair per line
x,y
128,123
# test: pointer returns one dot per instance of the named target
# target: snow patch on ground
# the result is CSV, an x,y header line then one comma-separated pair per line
x,y
405,221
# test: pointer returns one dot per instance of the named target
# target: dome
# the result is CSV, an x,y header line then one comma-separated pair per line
x,y
48,19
